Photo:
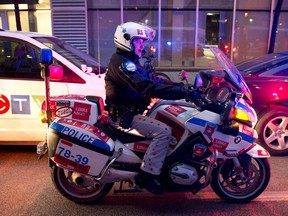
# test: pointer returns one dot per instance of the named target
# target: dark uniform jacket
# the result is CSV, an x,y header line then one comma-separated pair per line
x,y
128,84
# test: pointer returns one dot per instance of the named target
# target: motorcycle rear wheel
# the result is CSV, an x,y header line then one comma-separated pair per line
x,y
87,190
228,185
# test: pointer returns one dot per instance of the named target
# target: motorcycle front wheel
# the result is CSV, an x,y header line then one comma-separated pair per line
x,y
78,188
228,185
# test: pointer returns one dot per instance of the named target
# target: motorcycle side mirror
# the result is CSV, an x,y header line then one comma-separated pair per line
x,y
198,81
183,75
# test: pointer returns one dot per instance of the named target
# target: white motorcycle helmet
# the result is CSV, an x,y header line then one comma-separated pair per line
x,y
125,33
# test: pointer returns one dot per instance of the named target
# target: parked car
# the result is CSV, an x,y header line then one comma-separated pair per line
x,y
22,89
267,78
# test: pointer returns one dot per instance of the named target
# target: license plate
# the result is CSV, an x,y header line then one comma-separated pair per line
x,y
78,158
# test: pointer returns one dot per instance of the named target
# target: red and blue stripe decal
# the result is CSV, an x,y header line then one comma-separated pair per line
x,y
204,123
84,137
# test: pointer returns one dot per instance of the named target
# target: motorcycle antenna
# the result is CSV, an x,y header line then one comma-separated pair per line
x,y
45,61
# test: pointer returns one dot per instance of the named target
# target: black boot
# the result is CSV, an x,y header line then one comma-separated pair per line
x,y
149,182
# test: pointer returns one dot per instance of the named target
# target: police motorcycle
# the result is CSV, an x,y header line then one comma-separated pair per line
x,y
213,143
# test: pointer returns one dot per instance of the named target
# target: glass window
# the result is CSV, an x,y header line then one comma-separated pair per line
x,y
177,38
284,5
251,35
18,60
31,20
254,5
43,4
101,27
43,22
24,21
219,4
281,42
178,4
177,34
103,4
214,28
283,72
73,55
78,58
140,4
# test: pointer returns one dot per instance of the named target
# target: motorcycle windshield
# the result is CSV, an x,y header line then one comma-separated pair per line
x,y
234,75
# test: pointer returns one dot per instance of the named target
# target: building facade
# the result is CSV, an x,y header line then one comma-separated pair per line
x,y
241,28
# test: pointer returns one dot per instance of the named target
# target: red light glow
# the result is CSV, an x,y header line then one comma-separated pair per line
x,y
152,49
276,96
263,153
56,72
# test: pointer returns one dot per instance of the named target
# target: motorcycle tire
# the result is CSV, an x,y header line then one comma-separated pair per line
x,y
228,185
83,190
272,130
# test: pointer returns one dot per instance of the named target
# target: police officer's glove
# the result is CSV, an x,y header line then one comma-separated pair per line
x,y
193,95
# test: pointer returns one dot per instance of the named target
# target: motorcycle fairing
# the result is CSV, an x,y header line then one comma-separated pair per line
x,y
78,146
127,155
243,105
84,133
213,133
174,114
257,151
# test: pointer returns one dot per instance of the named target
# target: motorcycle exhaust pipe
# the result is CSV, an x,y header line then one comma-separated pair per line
x,y
77,178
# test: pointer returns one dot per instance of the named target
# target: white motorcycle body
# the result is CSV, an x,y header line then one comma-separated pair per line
x,y
85,148
212,143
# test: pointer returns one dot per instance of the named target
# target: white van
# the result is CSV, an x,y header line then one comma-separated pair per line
x,y
22,90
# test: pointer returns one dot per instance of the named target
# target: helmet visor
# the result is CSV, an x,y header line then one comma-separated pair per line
x,y
149,31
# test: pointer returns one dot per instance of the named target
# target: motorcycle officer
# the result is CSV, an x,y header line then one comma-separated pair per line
x,y
129,88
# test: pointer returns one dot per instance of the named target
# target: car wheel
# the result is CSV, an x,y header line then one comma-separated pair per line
x,y
272,128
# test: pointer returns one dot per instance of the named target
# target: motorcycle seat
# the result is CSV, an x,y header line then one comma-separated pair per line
x,y
121,135
99,102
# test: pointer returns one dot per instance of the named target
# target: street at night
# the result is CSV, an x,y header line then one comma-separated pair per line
x,y
27,189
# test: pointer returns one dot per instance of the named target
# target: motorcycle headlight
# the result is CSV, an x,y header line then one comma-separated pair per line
x,y
239,114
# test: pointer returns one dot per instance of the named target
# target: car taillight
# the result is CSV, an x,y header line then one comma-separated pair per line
x,y
226,48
